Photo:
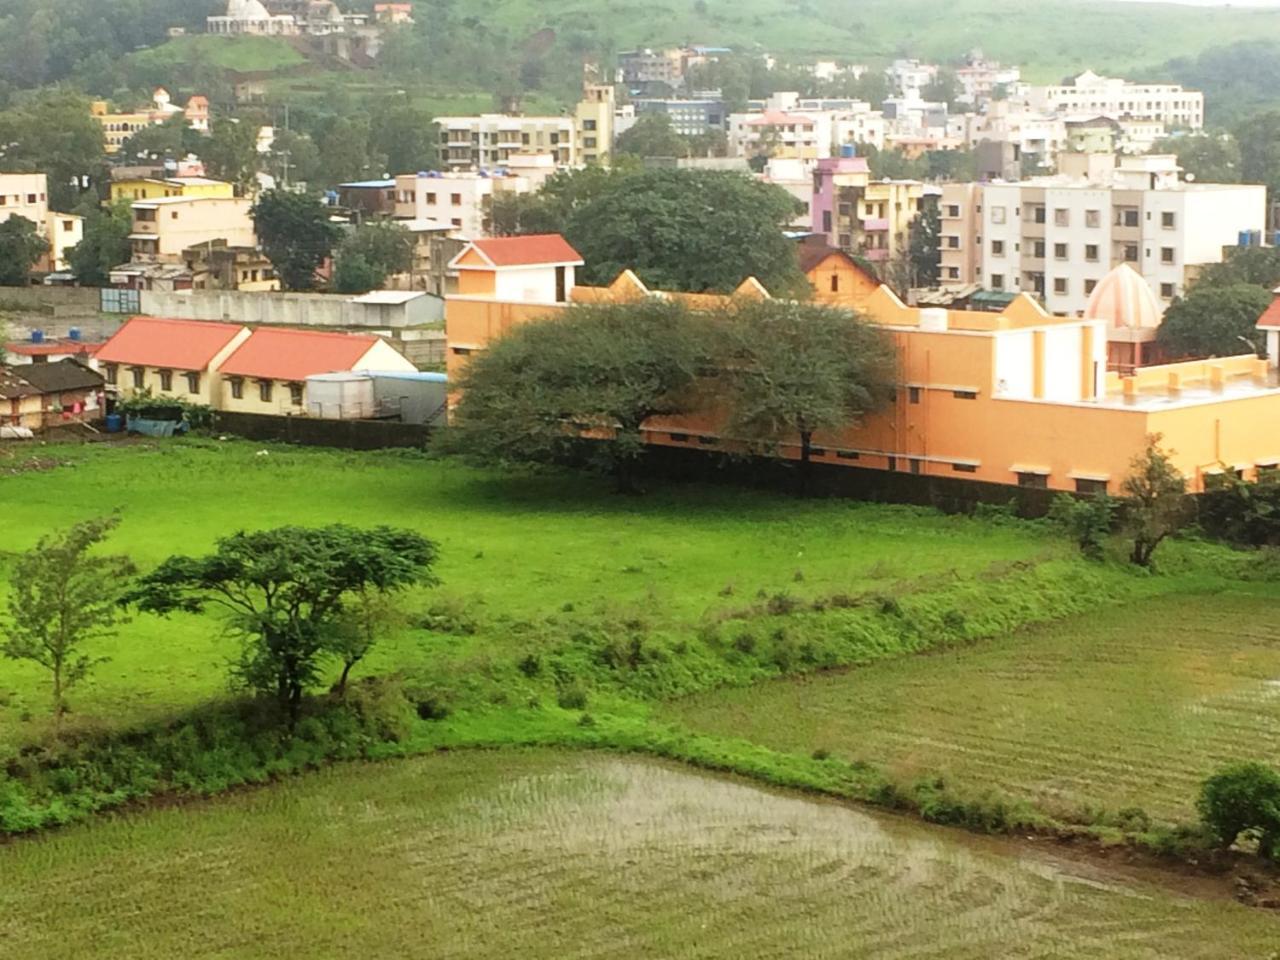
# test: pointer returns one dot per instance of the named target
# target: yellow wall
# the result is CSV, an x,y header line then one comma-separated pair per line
x,y
281,401
179,388
853,286
153,189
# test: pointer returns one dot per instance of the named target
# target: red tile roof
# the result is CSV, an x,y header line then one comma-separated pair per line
x,y
173,344
25,348
1271,316
273,354
527,251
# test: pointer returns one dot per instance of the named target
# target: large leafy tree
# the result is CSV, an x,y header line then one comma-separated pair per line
x,y
371,253
52,132
63,598
597,371
295,233
689,230
1259,139
230,152
653,136
173,138
791,370
1259,266
105,243
1213,321
290,594
1209,158
20,247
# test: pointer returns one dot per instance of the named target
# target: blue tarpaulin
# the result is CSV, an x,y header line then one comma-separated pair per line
x,y
155,428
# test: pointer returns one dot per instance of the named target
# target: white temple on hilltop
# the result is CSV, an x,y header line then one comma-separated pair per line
x,y
250,18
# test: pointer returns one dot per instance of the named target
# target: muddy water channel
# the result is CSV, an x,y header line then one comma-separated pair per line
x,y
549,855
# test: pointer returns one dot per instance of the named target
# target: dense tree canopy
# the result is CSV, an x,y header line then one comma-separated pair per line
x,y
790,370
1259,266
105,243
1209,158
52,132
1259,139
295,233
653,136
231,151
602,369
20,247
369,254
1213,321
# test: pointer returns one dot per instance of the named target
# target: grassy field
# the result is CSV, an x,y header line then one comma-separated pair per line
x,y
242,54
541,855
1130,706
512,551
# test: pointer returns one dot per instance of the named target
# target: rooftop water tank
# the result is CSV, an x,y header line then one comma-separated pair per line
x,y
37,336
848,151
74,334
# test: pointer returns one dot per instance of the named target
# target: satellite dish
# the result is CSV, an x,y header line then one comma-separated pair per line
x,y
1191,178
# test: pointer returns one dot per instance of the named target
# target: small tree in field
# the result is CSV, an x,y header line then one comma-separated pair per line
x,y
286,592
63,598
1087,521
1155,501
792,369
596,370
1243,798
369,614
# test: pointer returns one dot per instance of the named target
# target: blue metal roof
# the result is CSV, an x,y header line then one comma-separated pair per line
x,y
406,375
378,184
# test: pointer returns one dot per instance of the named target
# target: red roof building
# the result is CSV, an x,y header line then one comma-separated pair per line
x,y
24,351
1270,319
535,250
169,344
294,355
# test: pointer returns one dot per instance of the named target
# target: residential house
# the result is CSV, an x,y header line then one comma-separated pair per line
x,y
155,188
435,244
394,13
166,226
462,200
38,349
593,123
371,199
1019,397
836,278
64,231
27,195
177,358
214,265
268,371
119,126
43,395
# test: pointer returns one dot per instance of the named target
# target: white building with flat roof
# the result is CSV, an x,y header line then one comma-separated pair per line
x,y
1090,93
1057,237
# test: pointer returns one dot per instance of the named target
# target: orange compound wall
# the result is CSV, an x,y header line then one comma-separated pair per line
x,y
1235,434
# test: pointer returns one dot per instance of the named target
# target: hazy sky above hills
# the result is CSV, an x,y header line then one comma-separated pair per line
x,y
1212,3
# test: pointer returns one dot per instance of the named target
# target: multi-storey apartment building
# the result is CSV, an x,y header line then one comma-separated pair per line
x,y
461,200
491,139
593,123
690,118
1057,237
860,215
166,226
1093,94
25,195
789,126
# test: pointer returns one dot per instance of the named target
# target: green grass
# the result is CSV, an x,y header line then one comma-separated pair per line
x,y
1128,706
545,855
242,54
513,551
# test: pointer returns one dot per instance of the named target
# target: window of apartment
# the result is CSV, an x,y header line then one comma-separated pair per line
x,y
173,215
264,390
892,463
144,216
295,394
166,380
589,142
237,388
847,454
1089,285
846,240
461,351
1034,481
1060,285
139,376
588,125
965,467
1127,217
915,466
68,225
112,373
1059,251
679,437
913,394
1091,252
1167,291
1084,485
846,209
997,281
1166,254
997,214
555,138
431,198
457,222
1037,251
1131,253
953,273
1167,220
1061,218
193,382
965,394
997,248
953,210
455,199
1037,214
835,283
31,198
953,243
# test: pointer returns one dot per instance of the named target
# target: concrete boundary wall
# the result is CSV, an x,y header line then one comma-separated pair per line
x,y
290,309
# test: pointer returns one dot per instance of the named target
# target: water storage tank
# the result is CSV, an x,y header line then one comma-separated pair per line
x,y
74,334
37,336
848,151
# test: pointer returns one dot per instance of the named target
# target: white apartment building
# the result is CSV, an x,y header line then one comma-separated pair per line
x,y
910,77
789,126
1113,97
463,201
979,79
25,195
1057,237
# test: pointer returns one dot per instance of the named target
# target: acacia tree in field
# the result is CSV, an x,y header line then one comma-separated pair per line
x,y
596,369
286,592
1154,501
63,598
790,370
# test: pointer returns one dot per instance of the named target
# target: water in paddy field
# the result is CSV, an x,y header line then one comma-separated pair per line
x,y
561,856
